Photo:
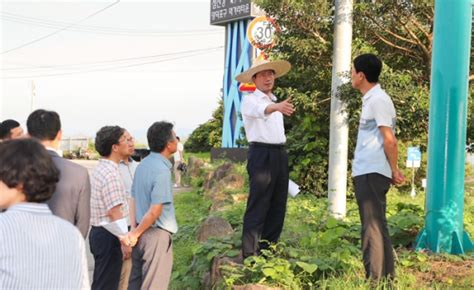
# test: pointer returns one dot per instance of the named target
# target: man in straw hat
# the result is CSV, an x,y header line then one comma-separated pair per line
x,y
267,158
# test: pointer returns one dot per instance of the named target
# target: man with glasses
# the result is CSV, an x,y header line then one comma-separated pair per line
x,y
108,204
127,168
152,190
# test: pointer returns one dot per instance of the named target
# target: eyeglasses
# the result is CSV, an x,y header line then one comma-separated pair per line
x,y
128,140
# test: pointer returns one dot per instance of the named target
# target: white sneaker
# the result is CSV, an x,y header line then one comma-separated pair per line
x,y
175,185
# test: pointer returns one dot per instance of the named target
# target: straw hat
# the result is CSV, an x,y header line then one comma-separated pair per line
x,y
280,67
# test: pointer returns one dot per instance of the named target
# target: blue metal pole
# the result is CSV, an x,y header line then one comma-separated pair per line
x,y
238,56
444,229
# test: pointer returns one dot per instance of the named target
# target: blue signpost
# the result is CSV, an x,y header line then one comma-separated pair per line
x,y
235,15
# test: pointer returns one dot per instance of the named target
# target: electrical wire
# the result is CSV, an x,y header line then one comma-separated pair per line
x,y
62,29
96,63
111,68
51,23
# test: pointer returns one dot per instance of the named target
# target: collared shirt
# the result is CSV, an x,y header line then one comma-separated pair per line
x,y
107,191
40,251
127,171
377,111
261,127
152,186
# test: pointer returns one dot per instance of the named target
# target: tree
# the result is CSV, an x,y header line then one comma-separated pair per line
x,y
207,135
400,32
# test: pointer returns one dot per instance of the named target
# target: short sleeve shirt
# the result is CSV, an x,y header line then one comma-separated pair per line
x,y
107,191
377,111
127,171
152,186
261,127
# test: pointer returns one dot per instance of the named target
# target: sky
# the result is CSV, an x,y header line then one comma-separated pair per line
x,y
129,64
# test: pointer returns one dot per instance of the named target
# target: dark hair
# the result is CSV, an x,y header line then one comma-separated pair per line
x,y
158,135
26,163
43,125
106,138
370,65
6,127
178,138
255,74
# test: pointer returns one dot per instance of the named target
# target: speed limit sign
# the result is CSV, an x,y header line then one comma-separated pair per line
x,y
261,32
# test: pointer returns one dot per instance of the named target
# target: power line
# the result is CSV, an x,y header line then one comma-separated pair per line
x,y
34,20
123,32
62,29
95,63
111,68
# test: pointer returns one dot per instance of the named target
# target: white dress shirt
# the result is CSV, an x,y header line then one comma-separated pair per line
x,y
261,127
377,111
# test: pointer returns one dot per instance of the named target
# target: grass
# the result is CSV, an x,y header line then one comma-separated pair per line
x,y
311,236
191,209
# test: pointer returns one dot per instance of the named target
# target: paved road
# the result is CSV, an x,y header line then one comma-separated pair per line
x,y
90,165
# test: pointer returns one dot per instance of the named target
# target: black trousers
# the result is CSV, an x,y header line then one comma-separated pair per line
x,y
266,206
107,253
377,251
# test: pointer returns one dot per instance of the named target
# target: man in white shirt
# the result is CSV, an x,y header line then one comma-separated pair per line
x,y
267,164
127,168
374,166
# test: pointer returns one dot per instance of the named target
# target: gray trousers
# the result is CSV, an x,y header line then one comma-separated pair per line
x,y
377,251
152,261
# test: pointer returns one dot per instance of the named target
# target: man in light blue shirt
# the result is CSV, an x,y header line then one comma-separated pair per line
x,y
375,166
152,191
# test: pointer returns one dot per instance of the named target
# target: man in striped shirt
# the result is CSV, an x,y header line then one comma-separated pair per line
x,y
38,250
108,204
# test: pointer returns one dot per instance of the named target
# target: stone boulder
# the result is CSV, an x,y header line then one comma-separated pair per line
x,y
216,274
195,167
214,227
220,172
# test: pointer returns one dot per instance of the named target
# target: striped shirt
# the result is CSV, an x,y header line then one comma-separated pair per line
x,y
40,251
107,191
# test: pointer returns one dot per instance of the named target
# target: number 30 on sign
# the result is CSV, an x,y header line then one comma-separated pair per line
x,y
261,32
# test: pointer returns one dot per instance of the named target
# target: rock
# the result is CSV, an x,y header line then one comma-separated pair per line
x,y
214,227
239,197
220,172
195,167
218,262
233,181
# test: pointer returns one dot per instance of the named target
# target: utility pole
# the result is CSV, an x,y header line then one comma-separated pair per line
x,y
339,131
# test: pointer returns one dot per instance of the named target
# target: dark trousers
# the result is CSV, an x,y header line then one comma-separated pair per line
x,y
266,206
152,261
107,253
377,251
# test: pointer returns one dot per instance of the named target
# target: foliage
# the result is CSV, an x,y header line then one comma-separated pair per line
x,y
399,31
207,135
316,250
191,209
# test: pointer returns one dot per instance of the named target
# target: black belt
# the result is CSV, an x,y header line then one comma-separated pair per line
x,y
267,145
